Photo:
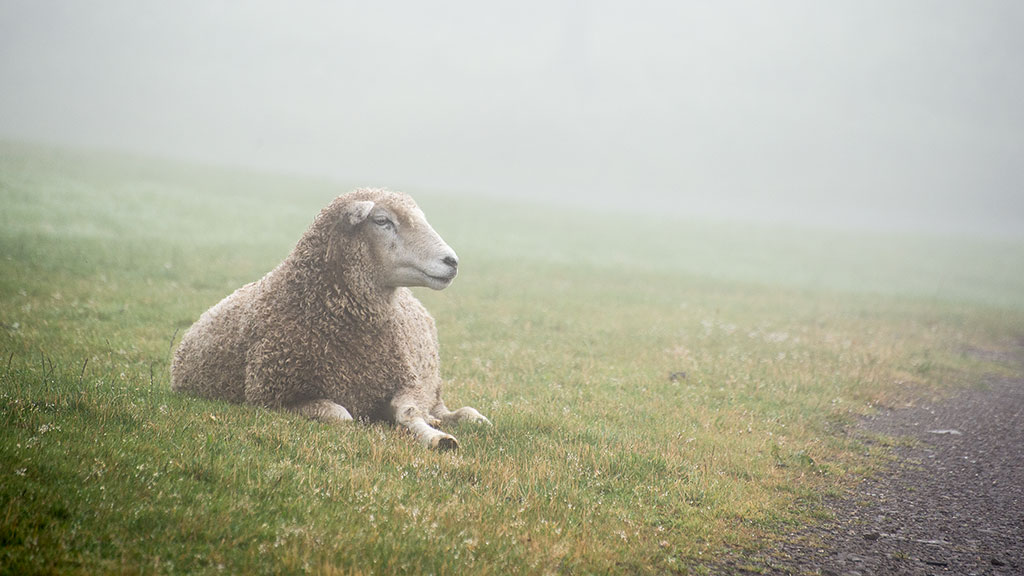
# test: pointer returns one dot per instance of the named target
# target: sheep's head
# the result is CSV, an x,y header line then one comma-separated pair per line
x,y
407,250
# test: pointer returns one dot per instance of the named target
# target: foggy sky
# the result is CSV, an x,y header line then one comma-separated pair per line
x,y
899,114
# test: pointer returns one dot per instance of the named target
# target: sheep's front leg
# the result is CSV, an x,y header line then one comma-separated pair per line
x,y
409,415
464,414
322,409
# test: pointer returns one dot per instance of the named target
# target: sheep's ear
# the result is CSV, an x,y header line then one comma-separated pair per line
x,y
358,211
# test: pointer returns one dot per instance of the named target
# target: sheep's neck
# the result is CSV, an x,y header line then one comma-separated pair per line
x,y
339,279
362,306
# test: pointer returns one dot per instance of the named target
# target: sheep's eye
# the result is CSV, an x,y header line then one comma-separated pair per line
x,y
383,221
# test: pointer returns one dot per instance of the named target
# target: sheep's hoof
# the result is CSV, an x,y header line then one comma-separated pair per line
x,y
337,413
444,443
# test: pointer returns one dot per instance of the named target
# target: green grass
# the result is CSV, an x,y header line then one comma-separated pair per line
x,y
563,328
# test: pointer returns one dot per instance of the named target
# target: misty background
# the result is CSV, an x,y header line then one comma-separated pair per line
x,y
901,115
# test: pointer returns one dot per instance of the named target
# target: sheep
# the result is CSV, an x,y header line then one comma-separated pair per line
x,y
333,332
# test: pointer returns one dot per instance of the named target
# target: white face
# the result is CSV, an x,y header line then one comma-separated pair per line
x,y
411,252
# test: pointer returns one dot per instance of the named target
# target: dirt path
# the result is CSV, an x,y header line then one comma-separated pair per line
x,y
952,502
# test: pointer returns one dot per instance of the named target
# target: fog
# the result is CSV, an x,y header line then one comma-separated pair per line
x,y
895,115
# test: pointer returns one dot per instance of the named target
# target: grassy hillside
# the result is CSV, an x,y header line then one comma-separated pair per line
x,y
661,390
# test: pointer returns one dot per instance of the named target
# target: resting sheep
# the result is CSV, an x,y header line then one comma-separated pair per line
x,y
333,332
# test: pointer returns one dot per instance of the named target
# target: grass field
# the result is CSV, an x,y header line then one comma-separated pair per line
x,y
563,327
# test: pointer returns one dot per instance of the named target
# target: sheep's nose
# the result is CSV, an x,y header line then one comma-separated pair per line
x,y
451,261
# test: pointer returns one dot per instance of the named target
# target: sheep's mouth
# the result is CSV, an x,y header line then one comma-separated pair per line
x,y
445,279
417,276
439,281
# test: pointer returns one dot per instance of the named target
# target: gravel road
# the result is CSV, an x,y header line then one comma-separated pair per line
x,y
951,503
